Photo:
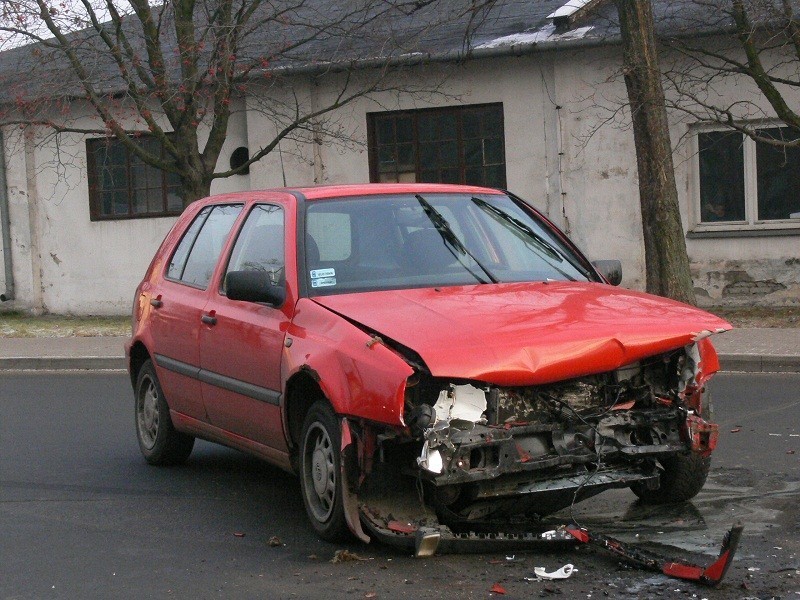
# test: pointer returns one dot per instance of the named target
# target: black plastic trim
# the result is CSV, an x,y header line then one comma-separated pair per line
x,y
221,381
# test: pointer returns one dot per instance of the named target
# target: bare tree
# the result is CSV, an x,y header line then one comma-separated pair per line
x,y
756,45
666,259
173,71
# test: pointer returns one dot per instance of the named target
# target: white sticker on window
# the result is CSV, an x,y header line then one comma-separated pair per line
x,y
323,273
323,281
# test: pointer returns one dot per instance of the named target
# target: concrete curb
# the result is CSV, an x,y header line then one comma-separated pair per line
x,y
63,363
749,363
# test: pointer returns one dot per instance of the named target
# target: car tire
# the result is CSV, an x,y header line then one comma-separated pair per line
x,y
320,473
682,478
159,442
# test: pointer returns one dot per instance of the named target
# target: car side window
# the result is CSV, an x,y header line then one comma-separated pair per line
x,y
259,246
197,253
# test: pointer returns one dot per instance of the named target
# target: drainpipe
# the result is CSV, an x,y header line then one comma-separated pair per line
x,y
5,227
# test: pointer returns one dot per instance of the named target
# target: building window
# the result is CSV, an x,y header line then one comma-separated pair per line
x,y
443,145
121,186
744,184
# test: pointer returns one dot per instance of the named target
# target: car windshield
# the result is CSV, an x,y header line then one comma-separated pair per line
x,y
426,240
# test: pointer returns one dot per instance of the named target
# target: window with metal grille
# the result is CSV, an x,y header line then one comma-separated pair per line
x,y
122,186
462,144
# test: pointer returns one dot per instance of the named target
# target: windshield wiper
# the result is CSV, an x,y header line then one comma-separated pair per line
x,y
443,227
538,240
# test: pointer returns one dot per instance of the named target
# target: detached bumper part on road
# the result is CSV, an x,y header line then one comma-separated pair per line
x,y
427,541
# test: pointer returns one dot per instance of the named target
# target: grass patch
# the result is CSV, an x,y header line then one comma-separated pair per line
x,y
17,324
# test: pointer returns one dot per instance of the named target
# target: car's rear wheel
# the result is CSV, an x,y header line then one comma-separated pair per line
x,y
320,472
159,442
681,479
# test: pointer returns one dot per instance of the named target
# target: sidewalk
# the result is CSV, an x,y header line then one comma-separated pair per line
x,y
754,350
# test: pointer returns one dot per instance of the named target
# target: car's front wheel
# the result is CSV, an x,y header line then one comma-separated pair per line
x,y
681,479
320,473
159,442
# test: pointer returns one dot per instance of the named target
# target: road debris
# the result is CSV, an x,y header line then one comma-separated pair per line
x,y
710,575
498,589
736,430
275,542
347,556
562,573
238,534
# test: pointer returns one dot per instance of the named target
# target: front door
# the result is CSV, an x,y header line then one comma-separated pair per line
x,y
241,343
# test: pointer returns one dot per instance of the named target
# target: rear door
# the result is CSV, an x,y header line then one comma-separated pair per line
x,y
241,343
177,302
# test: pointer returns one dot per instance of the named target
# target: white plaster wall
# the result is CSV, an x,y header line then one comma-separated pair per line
x,y
21,243
601,196
84,267
515,82
599,201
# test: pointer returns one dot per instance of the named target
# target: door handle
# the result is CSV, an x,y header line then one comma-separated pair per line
x,y
209,319
156,302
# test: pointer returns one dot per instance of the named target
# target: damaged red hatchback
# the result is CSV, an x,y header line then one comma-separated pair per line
x,y
391,343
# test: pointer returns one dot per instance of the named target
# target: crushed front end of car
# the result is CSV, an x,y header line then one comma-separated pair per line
x,y
507,454
486,460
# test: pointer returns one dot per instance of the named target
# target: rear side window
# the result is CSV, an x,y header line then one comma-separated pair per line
x,y
198,251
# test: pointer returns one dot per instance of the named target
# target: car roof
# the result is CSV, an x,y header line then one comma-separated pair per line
x,y
370,189
323,192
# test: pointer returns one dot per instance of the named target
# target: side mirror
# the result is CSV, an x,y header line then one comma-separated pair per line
x,y
254,286
610,269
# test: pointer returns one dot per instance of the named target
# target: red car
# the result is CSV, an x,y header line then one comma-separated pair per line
x,y
423,356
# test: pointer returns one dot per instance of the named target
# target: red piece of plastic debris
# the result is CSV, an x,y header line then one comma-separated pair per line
x,y
701,435
711,575
400,527
498,589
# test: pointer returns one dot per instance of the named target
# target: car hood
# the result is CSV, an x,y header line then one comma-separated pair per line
x,y
526,333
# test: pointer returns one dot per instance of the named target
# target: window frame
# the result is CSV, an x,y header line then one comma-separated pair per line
x,y
95,192
751,223
373,149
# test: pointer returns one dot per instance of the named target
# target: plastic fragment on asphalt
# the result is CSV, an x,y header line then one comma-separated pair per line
x,y
562,573
238,534
736,430
274,542
498,589
346,556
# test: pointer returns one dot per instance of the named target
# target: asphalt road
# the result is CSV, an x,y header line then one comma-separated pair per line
x,y
82,515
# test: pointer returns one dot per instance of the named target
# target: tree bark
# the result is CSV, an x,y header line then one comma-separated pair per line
x,y
666,259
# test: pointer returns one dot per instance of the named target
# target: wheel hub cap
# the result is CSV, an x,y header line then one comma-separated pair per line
x,y
319,471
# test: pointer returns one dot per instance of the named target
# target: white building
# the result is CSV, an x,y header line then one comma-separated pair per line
x,y
536,110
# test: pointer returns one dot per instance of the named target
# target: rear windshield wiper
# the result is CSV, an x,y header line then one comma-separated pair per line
x,y
443,227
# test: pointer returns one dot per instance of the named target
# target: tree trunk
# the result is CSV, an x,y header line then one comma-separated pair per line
x,y
195,186
667,263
